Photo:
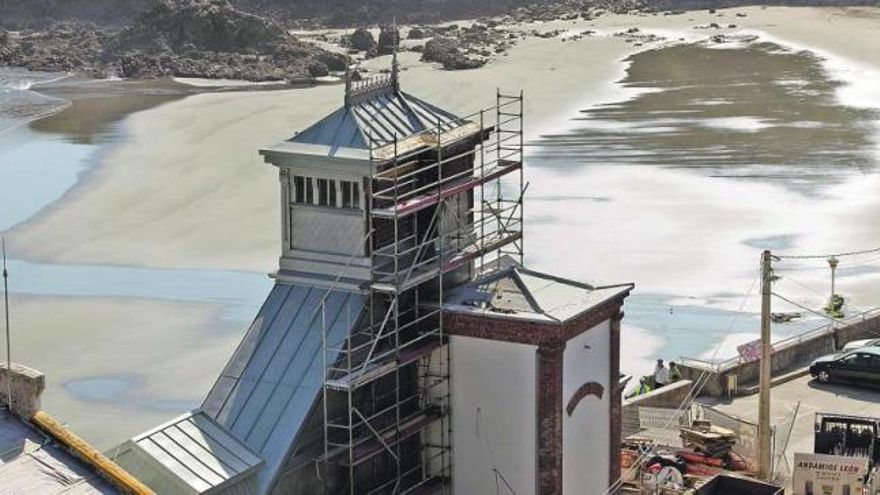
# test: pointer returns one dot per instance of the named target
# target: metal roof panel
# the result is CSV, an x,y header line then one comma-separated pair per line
x,y
377,119
272,382
197,451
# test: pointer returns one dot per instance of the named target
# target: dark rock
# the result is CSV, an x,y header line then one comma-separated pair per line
x,y
388,39
318,69
362,40
210,25
415,34
190,38
446,52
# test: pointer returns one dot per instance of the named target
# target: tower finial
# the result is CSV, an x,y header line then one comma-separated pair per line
x,y
347,83
395,68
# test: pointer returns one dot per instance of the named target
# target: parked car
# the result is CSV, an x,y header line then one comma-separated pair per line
x,y
861,366
855,344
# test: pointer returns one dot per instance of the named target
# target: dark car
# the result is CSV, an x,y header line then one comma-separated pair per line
x,y
861,366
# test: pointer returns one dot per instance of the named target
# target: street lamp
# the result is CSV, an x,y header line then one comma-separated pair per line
x,y
832,262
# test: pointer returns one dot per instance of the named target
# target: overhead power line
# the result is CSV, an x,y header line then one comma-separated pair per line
x,y
824,256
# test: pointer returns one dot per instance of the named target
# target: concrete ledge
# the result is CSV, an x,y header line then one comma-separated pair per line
x,y
779,380
670,396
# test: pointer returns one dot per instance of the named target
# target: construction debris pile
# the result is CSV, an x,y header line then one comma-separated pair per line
x,y
706,450
707,438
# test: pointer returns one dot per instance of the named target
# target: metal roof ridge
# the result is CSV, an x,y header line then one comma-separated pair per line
x,y
517,279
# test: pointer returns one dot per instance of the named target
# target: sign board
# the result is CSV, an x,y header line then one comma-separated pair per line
x,y
821,474
751,351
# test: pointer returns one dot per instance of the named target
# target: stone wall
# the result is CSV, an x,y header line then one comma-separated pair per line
x,y
27,386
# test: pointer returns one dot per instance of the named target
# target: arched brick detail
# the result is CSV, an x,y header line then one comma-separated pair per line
x,y
589,388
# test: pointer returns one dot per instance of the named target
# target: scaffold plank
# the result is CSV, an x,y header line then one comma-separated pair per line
x,y
361,376
417,203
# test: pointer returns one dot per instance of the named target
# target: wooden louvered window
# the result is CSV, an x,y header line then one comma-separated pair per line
x,y
299,189
350,195
326,192
310,191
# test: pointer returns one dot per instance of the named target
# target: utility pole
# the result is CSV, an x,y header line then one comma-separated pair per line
x,y
6,312
764,459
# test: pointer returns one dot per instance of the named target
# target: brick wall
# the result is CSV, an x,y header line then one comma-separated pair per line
x,y
549,385
550,338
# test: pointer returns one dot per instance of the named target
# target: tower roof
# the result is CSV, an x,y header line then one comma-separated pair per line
x,y
375,113
517,292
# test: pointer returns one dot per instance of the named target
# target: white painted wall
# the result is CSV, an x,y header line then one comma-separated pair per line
x,y
493,408
327,230
585,435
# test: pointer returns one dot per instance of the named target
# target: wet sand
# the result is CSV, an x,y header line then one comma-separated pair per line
x,y
116,367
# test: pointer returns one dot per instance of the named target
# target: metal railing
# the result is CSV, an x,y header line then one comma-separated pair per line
x,y
724,365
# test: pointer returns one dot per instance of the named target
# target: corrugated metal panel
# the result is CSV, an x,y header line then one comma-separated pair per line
x,y
378,119
271,382
197,451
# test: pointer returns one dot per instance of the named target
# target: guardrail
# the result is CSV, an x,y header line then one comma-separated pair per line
x,y
828,328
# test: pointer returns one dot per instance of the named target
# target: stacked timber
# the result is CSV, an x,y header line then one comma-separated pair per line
x,y
710,439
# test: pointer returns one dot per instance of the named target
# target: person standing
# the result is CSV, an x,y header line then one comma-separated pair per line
x,y
661,374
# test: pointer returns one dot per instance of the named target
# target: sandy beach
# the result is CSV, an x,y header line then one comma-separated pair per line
x,y
186,189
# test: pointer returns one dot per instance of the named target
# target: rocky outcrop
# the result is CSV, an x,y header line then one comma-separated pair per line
x,y
66,47
342,13
361,40
415,34
190,38
388,39
205,25
447,53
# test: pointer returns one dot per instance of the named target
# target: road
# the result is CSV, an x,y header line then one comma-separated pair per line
x,y
813,397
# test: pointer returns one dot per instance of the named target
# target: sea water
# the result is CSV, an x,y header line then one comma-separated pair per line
x,y
718,154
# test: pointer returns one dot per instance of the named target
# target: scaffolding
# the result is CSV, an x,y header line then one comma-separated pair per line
x,y
439,208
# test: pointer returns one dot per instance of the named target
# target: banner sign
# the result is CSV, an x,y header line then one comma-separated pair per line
x,y
751,351
821,474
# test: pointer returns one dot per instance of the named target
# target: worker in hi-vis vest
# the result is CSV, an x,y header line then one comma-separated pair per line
x,y
641,389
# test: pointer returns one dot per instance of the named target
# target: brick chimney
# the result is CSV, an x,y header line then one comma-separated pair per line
x,y
27,386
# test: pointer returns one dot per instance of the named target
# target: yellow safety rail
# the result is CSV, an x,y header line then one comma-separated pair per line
x,y
109,469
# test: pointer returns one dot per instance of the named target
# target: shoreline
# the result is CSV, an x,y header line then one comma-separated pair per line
x,y
186,191
193,162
